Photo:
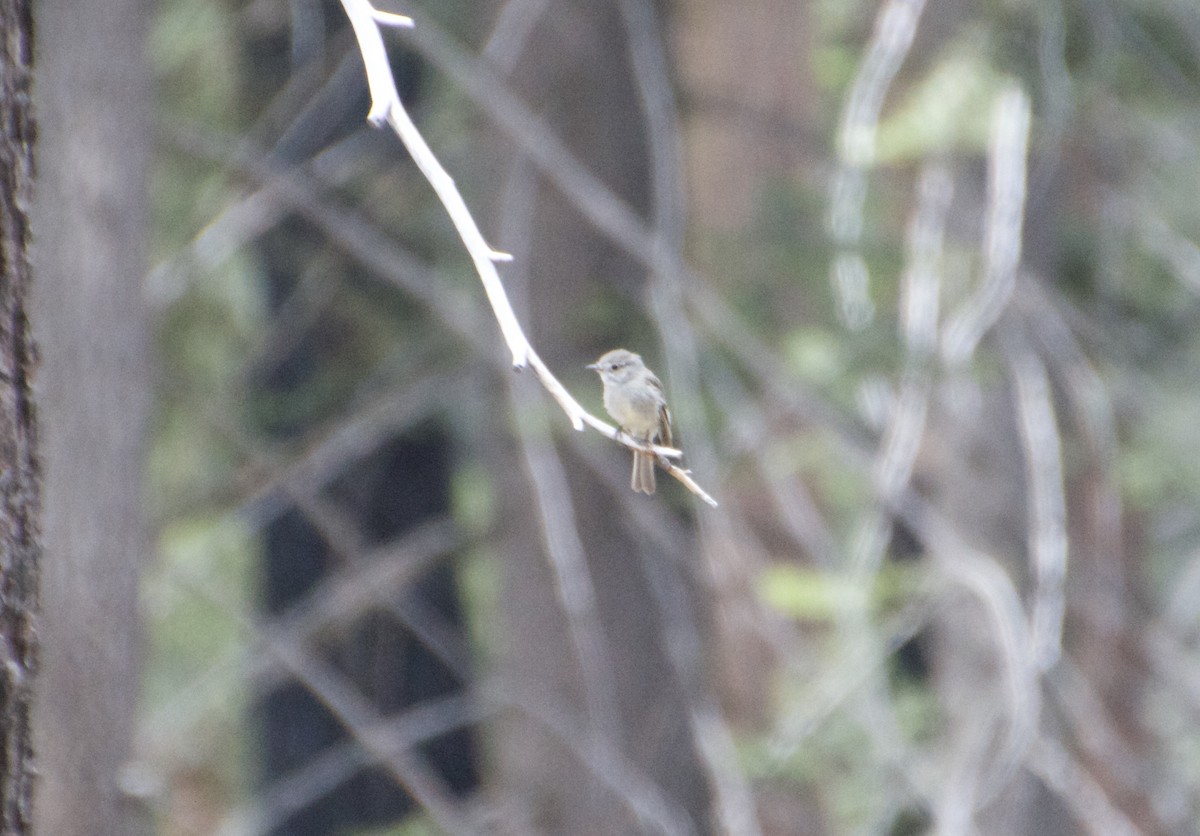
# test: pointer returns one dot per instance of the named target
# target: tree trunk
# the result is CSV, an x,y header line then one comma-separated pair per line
x,y
93,99
20,478
589,632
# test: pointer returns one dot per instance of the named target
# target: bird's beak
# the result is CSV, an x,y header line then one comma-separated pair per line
x,y
593,366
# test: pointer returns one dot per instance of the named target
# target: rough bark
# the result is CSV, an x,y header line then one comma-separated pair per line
x,y
93,99
20,537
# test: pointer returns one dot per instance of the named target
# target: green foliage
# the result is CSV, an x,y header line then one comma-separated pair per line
x,y
816,355
194,49
416,825
192,597
808,594
194,694
1148,467
474,500
948,110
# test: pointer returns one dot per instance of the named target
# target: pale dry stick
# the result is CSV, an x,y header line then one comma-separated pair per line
x,y
983,576
1008,149
1070,781
664,537
239,222
1183,602
379,576
920,287
658,527
298,485
339,600
919,291
282,480
750,434
263,499
1169,651
372,731
1038,424
1180,254
514,24
553,501
641,797
658,107
245,218
1096,732
903,433
655,812
357,435
823,696
608,212
958,786
387,107
895,28
895,457
608,764
275,803
291,322
666,283
1090,400
1056,98
296,190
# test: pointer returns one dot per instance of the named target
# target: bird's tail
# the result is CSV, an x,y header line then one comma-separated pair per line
x,y
642,479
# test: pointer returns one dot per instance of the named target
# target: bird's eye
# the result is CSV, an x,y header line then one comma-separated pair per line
x,y
613,367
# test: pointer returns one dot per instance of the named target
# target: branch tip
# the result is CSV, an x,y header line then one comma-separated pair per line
x,y
500,255
378,115
390,19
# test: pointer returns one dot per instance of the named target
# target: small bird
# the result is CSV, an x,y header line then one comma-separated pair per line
x,y
634,397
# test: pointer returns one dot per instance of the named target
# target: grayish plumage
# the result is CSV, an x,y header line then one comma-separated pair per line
x,y
634,397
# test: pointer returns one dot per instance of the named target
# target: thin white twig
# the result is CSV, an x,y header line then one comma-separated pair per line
x,y
982,575
389,19
1007,172
1069,780
895,28
387,107
511,31
1047,503
921,283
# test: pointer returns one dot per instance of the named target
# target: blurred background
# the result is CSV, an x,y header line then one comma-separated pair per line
x,y
920,278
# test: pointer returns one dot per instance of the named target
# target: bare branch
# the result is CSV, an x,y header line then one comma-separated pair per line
x,y
1007,171
895,28
1047,502
387,107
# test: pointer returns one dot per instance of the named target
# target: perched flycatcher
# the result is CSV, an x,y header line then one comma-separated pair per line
x,y
634,398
